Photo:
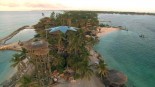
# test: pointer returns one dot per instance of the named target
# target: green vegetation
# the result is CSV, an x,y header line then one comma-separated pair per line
x,y
26,81
18,58
70,18
101,68
69,51
104,25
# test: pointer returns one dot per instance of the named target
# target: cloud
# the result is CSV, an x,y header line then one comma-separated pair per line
x,y
32,5
9,4
44,5
110,5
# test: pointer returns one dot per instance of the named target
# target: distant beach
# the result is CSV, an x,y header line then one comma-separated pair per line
x,y
102,31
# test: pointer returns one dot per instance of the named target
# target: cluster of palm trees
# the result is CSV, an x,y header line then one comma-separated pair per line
x,y
70,18
67,50
70,51
27,81
102,69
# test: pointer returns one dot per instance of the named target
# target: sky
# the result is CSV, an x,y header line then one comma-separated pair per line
x,y
99,5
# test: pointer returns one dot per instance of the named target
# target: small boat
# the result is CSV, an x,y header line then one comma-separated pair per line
x,y
42,14
142,36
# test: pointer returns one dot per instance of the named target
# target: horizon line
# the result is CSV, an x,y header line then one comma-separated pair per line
x,y
78,10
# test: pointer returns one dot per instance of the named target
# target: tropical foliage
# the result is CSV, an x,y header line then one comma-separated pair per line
x,y
26,81
18,58
69,18
102,69
69,50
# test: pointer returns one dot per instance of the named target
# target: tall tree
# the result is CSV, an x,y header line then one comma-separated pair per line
x,y
52,16
18,58
26,81
101,68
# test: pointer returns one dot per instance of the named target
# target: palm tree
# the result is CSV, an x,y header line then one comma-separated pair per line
x,y
17,60
73,43
57,61
60,41
23,53
76,40
26,81
101,68
84,70
18,57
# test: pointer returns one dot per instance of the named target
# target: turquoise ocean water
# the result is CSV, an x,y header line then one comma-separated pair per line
x,y
127,52
122,50
9,22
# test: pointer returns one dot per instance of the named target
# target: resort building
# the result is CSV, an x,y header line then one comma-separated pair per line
x,y
38,52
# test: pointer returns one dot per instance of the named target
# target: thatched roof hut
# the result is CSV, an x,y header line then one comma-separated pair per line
x,y
36,47
116,78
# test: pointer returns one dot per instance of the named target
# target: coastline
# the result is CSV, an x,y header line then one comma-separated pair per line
x,y
15,45
3,40
11,47
102,31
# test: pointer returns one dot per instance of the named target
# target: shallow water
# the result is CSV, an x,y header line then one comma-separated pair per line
x,y
5,70
127,52
9,22
23,35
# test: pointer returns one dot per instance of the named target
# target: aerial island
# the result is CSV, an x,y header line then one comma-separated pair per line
x,y
61,54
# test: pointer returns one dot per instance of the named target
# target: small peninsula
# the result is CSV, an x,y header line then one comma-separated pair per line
x,y
61,54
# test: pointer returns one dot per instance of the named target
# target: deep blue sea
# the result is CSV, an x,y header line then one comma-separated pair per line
x,y
121,50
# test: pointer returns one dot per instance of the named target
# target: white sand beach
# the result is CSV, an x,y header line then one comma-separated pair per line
x,y
105,30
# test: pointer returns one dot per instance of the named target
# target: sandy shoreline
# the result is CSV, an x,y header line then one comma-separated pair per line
x,y
102,31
